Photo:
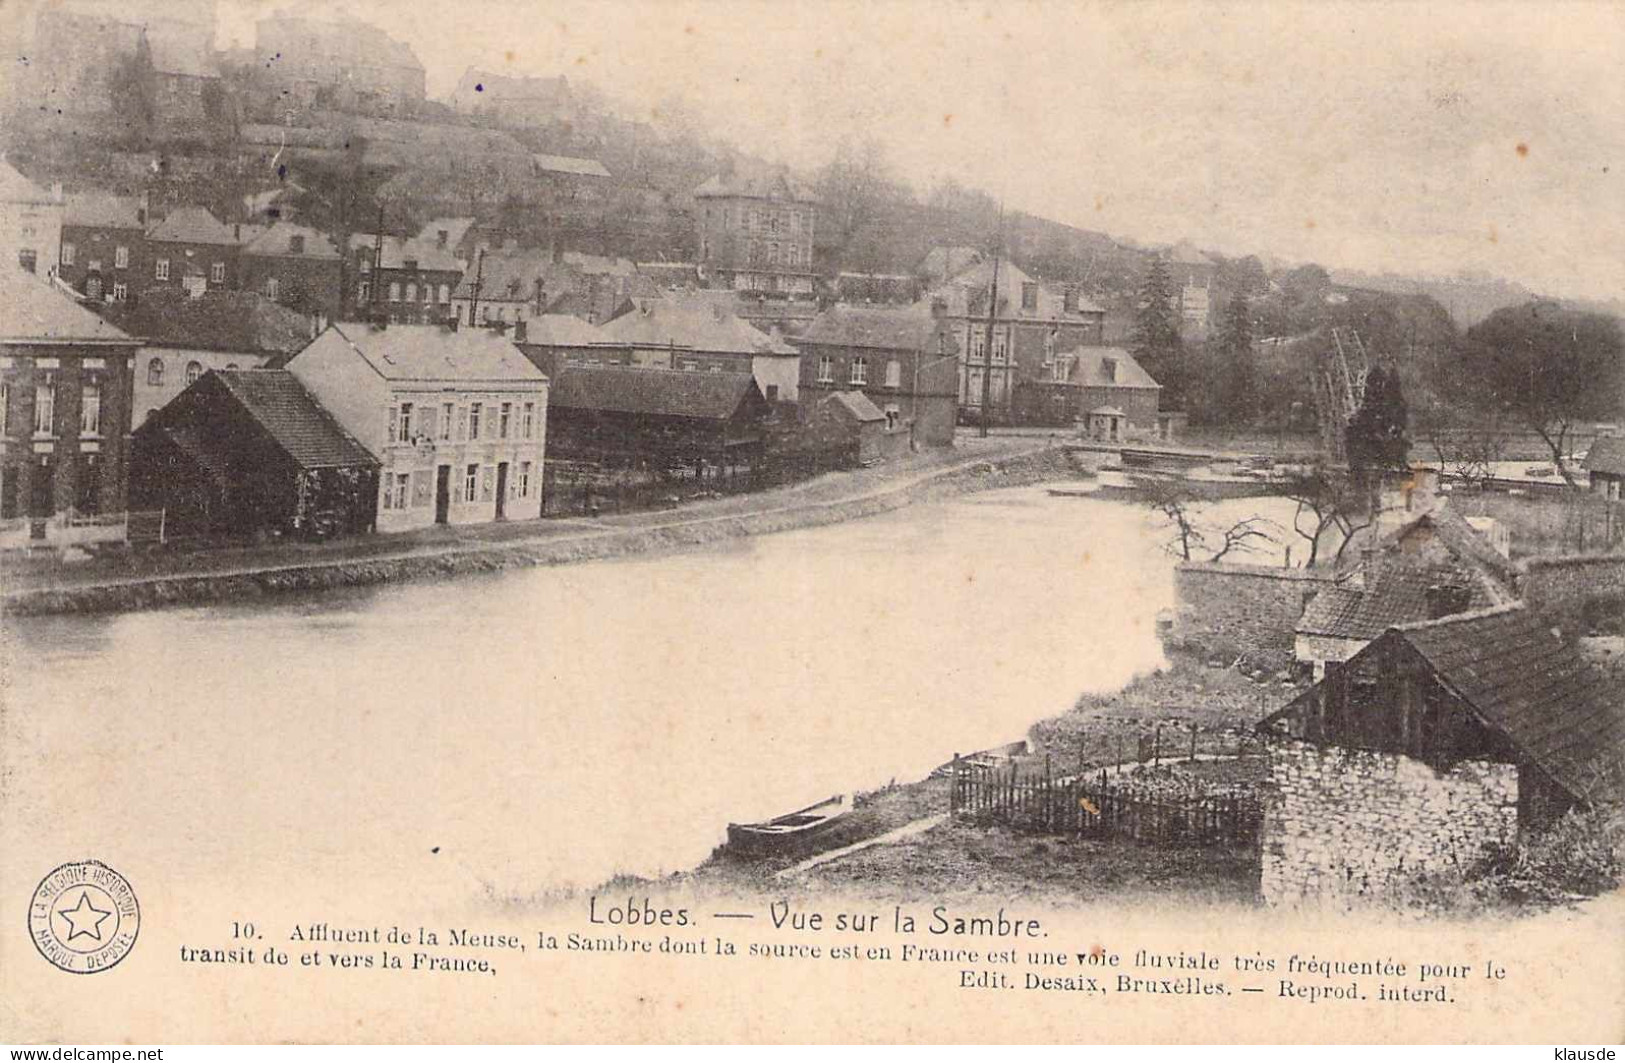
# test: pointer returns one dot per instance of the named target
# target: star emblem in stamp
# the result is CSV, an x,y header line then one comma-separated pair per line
x,y
84,917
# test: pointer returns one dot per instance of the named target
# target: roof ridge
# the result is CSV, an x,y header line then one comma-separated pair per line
x,y
1471,614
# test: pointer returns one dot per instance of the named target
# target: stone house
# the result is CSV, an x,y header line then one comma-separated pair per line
x,y
408,280
755,233
191,249
103,241
1103,388
1426,751
296,266
694,335
341,62
250,453
847,422
904,359
457,418
1605,467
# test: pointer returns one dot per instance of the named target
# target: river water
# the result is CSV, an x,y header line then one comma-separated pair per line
x,y
547,728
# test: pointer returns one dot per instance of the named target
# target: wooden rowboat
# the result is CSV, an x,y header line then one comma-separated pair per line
x,y
789,832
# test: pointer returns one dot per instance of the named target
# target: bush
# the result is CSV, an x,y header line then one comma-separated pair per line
x,y
1582,854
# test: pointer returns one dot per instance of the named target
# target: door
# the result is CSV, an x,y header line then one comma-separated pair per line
x,y
43,488
442,494
502,489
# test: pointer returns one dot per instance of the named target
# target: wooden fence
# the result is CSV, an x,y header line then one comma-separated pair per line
x,y
1165,814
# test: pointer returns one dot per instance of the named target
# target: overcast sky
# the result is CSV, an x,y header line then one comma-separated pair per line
x,y
1431,138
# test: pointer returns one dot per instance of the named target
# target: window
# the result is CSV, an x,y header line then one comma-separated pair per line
x,y
527,423
445,294
462,422
503,419
860,370
894,417
978,344
395,292
473,422
44,408
296,245
67,254
894,374
27,259
193,371
93,287
155,373
363,293
524,479
5,407
121,258
1049,346
406,422
691,365
273,287
445,420
364,258
90,409
121,291
826,369
399,491
1001,342
160,269
217,273
1029,295
411,293
485,484
795,221
471,483
773,252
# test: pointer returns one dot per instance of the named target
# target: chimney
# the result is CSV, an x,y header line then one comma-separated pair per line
x,y
237,231
1108,368
1447,599
541,298
939,306
519,331
440,237
145,208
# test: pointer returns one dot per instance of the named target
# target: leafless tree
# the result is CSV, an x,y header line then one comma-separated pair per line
x,y
1176,504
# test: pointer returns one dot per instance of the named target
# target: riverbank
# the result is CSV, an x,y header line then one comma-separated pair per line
x,y
136,581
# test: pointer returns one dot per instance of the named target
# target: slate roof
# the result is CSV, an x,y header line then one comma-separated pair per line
x,y
1607,456
750,181
1459,537
278,241
1397,593
507,276
245,322
15,188
1090,369
434,352
192,225
654,392
103,211
32,310
561,330
965,294
883,328
397,250
567,165
696,324
456,229
291,415
858,405
1525,682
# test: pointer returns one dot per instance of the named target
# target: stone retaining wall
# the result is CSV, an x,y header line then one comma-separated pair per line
x,y
1227,609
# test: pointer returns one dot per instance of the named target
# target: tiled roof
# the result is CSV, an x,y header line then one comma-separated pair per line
x,y
1607,456
192,225
654,392
1090,369
244,322
858,405
567,165
751,181
883,328
103,211
33,311
1525,682
1459,537
512,275
434,352
279,240
675,321
291,415
1397,593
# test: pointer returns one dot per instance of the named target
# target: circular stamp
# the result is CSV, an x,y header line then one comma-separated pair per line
x,y
84,917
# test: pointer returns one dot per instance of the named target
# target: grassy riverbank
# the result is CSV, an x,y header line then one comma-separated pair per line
x,y
139,581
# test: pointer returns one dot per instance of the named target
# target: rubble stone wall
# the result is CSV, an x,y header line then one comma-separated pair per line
x,y
1234,609
1575,587
1344,824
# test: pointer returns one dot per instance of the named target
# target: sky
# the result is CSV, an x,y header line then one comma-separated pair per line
x,y
1421,138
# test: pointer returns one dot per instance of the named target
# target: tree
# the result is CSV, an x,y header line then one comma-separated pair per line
x,y
857,195
1157,344
1328,501
1176,503
1236,383
1549,367
1376,435
134,90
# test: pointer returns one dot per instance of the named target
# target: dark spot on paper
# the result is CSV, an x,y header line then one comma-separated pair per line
x,y
1308,223
435,850
479,87
1523,151
947,119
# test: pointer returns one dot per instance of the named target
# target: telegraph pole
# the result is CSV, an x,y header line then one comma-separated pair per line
x,y
474,303
992,316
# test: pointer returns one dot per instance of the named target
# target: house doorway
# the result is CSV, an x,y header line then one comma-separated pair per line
x,y
442,494
42,502
502,489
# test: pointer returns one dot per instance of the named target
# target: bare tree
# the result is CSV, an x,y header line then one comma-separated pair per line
x,y
1176,503
1328,502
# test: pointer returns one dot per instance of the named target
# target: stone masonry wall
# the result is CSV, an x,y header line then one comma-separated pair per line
x,y
1349,823
1252,609
1575,586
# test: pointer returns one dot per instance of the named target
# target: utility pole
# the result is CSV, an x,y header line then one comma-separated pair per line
x,y
992,316
474,302
377,266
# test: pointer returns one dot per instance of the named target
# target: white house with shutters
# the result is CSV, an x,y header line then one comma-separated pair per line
x,y
456,417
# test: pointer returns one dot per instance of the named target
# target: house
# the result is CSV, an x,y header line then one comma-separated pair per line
x,y
191,249
65,384
756,232
451,234
1032,322
692,334
848,422
296,266
502,287
904,359
1428,750
527,102
250,453
30,223
457,418
942,263
407,280
342,63
622,415
103,242
553,341
1104,387
1605,465
185,336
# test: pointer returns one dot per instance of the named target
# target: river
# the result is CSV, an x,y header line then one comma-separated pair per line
x,y
510,735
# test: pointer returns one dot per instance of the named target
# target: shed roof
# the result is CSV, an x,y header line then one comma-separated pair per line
x,y
857,404
33,311
654,392
884,328
1460,538
1396,594
1607,456
434,352
291,415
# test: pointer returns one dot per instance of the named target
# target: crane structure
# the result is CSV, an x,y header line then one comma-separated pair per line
x,y
1339,386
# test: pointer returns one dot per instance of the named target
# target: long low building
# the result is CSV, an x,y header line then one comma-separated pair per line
x,y
653,417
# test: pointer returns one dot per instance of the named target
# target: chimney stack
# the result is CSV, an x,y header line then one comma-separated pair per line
x,y
519,331
1447,599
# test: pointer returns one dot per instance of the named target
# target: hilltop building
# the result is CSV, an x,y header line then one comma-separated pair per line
x,y
344,64
756,232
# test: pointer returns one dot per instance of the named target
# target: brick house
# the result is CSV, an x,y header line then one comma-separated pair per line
x,y
65,385
1032,322
103,244
695,335
296,266
192,249
756,230
904,359
456,417
409,280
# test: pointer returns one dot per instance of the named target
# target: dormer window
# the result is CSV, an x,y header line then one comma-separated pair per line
x,y
1029,296
1108,369
411,264
296,245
